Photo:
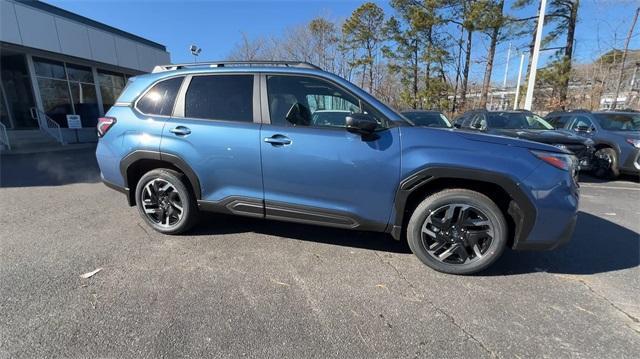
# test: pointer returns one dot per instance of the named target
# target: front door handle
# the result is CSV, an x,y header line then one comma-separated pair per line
x,y
278,140
180,131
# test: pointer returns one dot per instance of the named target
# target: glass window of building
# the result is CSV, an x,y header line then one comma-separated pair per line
x,y
111,84
67,89
54,89
83,94
16,95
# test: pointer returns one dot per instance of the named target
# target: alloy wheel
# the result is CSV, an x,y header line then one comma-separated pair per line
x,y
162,203
457,234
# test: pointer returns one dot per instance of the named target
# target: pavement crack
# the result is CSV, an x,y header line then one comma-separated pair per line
x,y
612,304
438,309
145,231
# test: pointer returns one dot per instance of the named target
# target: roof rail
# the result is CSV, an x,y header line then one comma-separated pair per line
x,y
300,64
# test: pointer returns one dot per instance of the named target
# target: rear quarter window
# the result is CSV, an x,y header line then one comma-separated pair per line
x,y
160,98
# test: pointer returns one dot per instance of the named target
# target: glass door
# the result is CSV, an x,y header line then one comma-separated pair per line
x,y
17,97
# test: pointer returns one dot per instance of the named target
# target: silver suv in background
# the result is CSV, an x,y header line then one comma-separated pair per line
x,y
616,137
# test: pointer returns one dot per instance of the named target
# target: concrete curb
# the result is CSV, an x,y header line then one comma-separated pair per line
x,y
27,151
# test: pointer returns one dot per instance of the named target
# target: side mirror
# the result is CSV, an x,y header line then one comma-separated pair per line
x,y
361,123
457,125
583,128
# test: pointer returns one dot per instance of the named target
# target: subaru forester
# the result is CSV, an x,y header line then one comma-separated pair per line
x,y
287,141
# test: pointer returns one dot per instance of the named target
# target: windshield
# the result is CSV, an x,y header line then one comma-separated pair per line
x,y
619,121
428,119
520,120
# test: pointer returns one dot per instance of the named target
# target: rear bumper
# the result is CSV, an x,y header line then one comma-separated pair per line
x,y
121,189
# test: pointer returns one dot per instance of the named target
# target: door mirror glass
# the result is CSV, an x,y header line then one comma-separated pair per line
x,y
583,128
361,123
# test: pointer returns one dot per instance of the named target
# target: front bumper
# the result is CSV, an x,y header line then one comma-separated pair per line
x,y
555,196
565,236
630,161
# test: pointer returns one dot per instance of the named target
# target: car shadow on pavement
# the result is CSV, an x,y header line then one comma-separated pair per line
x,y
217,224
49,169
586,178
597,246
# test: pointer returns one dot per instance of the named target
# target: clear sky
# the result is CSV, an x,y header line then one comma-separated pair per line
x,y
216,26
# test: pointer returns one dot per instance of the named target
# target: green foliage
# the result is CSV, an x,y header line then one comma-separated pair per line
x,y
610,57
363,30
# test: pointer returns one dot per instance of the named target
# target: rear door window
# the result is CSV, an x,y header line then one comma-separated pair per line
x,y
220,97
160,98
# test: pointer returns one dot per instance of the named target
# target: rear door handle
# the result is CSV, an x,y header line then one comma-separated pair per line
x,y
180,131
278,140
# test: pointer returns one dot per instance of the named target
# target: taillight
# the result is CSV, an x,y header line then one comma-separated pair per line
x,y
104,124
562,161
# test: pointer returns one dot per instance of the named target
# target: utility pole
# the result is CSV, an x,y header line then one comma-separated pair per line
x,y
624,58
515,102
504,81
528,100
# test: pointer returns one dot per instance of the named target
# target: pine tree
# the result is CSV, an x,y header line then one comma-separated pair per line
x,y
362,31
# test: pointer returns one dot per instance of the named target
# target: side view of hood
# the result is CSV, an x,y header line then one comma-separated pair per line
x,y
508,141
544,136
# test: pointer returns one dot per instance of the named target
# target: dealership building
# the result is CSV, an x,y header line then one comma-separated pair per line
x,y
61,72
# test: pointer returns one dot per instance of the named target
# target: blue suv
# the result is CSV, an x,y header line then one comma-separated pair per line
x,y
262,139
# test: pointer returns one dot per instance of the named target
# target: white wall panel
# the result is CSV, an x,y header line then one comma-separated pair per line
x,y
127,53
103,46
9,31
146,58
38,29
74,38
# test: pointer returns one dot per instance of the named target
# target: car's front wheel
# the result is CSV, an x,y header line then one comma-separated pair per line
x,y
457,231
165,201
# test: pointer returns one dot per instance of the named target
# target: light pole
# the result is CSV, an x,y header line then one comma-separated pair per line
x,y
195,51
515,102
528,100
504,81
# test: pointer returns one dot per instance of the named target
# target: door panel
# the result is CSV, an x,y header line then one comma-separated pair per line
x,y
221,145
330,176
224,155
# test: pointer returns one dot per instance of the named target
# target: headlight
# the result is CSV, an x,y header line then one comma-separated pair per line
x,y
558,160
634,142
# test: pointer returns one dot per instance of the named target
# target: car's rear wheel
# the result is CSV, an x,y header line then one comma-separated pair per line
x,y
457,231
165,202
606,163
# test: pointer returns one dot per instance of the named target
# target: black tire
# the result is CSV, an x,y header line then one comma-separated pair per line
x,y
467,203
178,196
606,161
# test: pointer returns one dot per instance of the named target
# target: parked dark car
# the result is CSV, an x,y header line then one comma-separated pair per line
x,y
616,137
427,118
528,126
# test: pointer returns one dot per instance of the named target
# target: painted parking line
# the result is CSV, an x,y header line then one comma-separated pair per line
x,y
587,185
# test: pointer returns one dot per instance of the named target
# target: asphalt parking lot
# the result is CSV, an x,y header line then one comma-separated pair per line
x,y
240,287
